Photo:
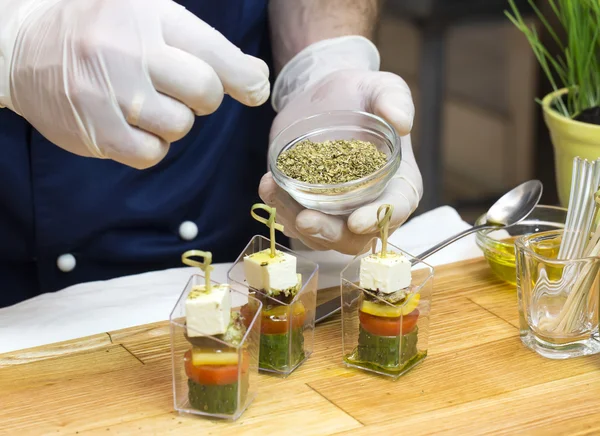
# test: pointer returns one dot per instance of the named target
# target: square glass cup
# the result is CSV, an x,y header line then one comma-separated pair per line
x,y
287,326
225,382
378,336
558,299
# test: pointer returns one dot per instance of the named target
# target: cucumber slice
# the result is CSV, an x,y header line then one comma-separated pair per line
x,y
205,356
386,351
218,399
274,350
387,311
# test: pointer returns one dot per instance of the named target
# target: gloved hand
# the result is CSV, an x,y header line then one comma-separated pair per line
x,y
118,79
342,73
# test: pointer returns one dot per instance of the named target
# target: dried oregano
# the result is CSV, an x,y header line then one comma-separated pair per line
x,y
331,162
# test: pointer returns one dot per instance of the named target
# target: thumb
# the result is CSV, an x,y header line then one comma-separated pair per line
x,y
390,98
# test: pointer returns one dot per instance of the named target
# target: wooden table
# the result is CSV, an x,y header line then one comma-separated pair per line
x,y
478,378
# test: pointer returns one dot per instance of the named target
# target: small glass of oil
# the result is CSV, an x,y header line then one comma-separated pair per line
x,y
498,246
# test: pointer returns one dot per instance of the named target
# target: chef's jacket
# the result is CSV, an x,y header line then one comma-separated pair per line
x,y
66,219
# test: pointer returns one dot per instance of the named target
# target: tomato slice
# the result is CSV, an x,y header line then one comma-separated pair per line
x,y
213,374
386,326
275,320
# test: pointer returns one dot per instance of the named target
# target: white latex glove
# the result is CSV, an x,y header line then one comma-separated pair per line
x,y
118,79
335,74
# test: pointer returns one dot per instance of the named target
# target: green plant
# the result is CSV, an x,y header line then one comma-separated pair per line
x,y
577,66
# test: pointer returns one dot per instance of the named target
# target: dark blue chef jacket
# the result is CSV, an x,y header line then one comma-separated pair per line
x,y
116,220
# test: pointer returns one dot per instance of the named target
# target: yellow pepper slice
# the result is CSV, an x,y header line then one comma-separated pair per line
x,y
282,311
213,357
387,311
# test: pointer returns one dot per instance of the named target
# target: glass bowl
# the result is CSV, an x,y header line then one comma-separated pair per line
x,y
498,246
342,198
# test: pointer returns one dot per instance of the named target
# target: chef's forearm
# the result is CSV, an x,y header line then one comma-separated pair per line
x,y
295,24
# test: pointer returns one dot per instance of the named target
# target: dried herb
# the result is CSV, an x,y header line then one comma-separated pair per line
x,y
397,297
331,162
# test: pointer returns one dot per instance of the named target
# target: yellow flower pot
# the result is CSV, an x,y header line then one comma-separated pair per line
x,y
570,139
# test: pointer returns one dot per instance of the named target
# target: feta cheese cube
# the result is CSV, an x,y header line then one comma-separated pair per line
x,y
266,273
385,274
208,313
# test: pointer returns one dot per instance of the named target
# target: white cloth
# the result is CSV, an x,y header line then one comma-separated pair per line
x,y
102,306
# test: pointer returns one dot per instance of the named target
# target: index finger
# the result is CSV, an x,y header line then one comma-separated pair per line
x,y
244,77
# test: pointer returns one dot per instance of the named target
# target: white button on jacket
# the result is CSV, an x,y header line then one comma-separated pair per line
x,y
188,230
66,262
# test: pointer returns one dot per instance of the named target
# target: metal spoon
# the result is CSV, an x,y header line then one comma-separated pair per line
x,y
510,209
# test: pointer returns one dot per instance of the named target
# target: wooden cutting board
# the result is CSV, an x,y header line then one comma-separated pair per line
x,y
478,378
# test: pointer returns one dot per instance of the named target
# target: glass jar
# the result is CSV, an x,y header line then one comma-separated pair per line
x,y
342,198
558,299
